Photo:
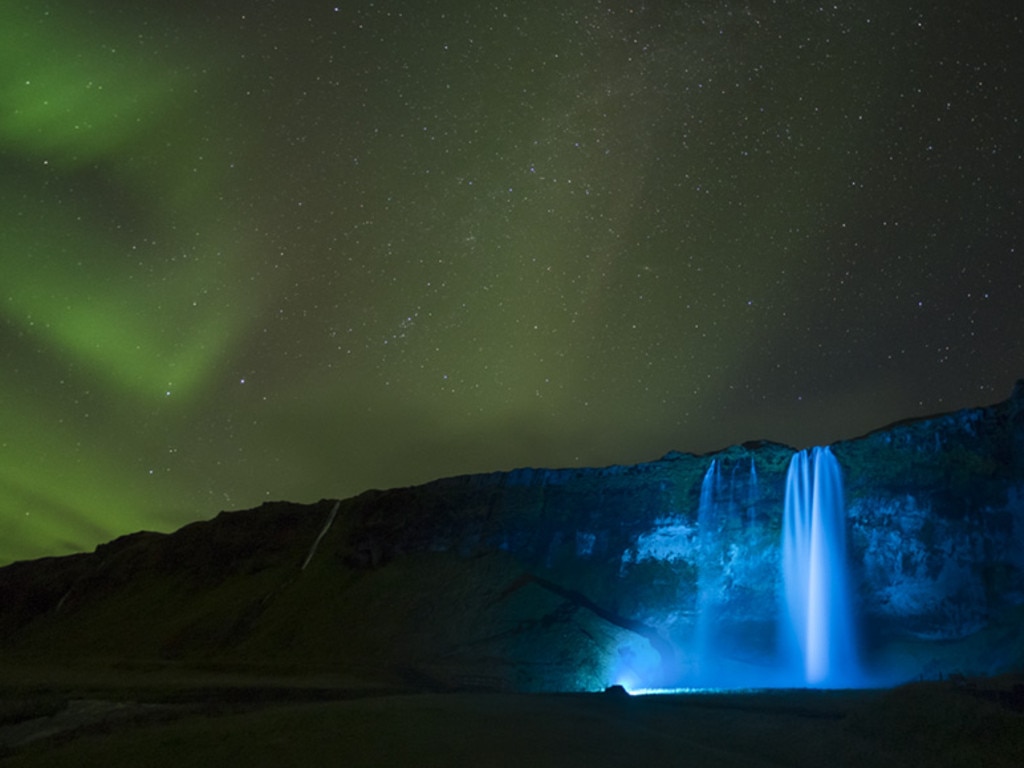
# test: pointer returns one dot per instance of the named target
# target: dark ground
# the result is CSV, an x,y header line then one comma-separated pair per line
x,y
166,717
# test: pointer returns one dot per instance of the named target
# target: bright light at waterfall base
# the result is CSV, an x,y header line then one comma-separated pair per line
x,y
685,691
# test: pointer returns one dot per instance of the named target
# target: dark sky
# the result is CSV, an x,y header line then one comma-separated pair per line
x,y
260,250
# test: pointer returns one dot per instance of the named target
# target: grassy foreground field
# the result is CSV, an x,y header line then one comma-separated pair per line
x,y
175,719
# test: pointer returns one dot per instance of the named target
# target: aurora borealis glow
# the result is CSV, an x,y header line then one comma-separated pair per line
x,y
260,250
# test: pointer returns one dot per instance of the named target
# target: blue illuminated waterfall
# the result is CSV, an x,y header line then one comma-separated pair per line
x,y
728,642
707,524
752,492
818,634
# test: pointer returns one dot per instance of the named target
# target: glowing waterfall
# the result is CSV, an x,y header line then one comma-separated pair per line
x,y
752,492
707,524
818,631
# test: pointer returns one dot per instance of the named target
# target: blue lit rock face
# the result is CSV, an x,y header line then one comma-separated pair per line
x,y
661,574
936,509
690,549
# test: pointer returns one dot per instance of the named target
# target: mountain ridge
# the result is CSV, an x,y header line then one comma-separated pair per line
x,y
560,579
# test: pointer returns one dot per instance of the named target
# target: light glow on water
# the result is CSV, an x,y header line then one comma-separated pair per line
x,y
671,691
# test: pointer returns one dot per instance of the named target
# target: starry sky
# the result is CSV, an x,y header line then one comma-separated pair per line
x,y
292,250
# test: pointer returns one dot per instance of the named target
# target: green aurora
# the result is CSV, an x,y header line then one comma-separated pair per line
x,y
297,250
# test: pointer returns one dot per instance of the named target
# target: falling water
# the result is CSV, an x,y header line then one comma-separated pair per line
x,y
752,492
818,634
708,487
707,519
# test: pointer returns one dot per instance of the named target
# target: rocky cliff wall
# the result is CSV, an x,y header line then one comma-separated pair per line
x,y
655,574
935,514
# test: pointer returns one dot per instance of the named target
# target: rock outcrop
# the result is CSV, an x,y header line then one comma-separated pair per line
x,y
541,579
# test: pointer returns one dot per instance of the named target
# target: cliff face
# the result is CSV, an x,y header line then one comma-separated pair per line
x,y
936,509
655,574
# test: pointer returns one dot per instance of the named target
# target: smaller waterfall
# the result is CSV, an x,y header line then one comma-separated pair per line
x,y
323,531
752,492
707,525
708,491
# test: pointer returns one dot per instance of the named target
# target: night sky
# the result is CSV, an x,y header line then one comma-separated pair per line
x,y
292,250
